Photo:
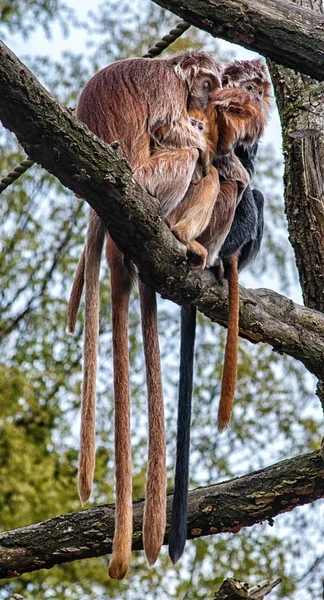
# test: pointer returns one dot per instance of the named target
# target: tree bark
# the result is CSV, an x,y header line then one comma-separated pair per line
x,y
226,507
288,34
301,106
92,169
233,589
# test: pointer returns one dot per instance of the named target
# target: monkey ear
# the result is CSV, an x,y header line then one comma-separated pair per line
x,y
186,69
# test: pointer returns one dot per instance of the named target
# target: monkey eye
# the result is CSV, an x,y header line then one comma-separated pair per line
x,y
260,93
200,127
206,84
249,88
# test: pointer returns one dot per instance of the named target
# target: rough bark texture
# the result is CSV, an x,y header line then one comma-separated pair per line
x,y
288,34
82,162
226,507
301,106
233,589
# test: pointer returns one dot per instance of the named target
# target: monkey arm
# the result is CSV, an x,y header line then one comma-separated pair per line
x,y
180,133
247,156
220,223
192,215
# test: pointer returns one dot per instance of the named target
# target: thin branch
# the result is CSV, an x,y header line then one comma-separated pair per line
x,y
226,507
290,35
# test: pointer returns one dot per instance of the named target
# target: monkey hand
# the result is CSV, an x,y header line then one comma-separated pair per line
x,y
204,161
197,255
197,175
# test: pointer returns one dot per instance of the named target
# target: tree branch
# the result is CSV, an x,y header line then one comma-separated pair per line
x,y
288,34
95,171
226,507
234,589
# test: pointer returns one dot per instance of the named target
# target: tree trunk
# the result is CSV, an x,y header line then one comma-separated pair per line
x,y
301,106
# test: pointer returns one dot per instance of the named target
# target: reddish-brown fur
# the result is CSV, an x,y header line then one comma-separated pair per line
x,y
139,102
231,348
230,118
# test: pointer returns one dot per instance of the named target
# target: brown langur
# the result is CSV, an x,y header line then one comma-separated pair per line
x,y
138,102
249,78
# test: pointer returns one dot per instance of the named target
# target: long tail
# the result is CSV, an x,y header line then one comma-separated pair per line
x,y
231,349
155,497
93,250
121,282
76,293
178,532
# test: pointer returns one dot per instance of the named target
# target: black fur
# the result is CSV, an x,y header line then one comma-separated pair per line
x,y
246,233
178,532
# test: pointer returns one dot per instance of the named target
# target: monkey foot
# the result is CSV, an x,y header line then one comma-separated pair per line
x,y
218,270
197,255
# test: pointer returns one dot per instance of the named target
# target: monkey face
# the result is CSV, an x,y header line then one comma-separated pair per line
x,y
203,85
255,90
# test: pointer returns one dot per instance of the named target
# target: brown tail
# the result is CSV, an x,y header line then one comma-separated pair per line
x,y
93,249
231,349
121,282
155,497
76,293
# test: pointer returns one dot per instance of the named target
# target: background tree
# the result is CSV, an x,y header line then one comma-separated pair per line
x,y
40,366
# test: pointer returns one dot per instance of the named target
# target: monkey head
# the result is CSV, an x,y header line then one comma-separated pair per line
x,y
234,119
202,73
252,77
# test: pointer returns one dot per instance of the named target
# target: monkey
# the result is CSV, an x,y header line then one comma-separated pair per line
x,y
138,102
229,118
252,77
244,240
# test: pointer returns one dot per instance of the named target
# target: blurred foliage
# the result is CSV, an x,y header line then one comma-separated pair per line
x,y
25,17
275,416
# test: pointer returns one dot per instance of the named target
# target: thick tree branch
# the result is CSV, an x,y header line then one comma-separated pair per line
x,y
226,507
82,162
288,34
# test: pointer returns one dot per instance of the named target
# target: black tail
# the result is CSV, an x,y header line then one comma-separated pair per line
x,y
178,532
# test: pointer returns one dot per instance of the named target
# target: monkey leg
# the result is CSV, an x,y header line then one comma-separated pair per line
x,y
92,256
192,215
231,349
220,223
155,497
241,176
231,169
167,176
121,282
